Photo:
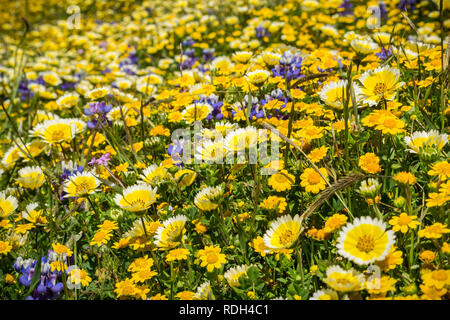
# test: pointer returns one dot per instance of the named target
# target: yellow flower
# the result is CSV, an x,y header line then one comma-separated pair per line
x,y
390,125
159,296
159,130
381,285
23,228
281,181
258,77
34,216
61,249
108,225
211,258
437,199
125,288
185,295
122,243
431,293
142,263
437,278
364,241
208,198
318,154
391,261
58,266
9,279
313,181
177,254
6,224
283,232
369,163
335,222
435,231
5,247
123,167
440,169
259,246
427,256
403,222
56,131
143,275
445,247
101,237
196,112
79,276
274,202
405,178
185,177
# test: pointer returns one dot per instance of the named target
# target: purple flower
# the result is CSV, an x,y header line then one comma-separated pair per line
x,y
102,161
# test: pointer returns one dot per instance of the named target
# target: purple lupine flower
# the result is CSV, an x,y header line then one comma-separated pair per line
x,y
384,54
347,5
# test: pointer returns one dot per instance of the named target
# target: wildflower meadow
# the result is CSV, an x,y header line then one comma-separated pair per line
x,y
224,150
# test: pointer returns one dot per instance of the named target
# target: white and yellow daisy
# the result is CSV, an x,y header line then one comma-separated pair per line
x,y
257,77
364,46
153,174
34,216
344,280
242,56
67,101
334,94
171,234
365,240
97,93
326,294
51,78
271,58
55,131
81,184
423,139
241,139
233,274
204,292
283,232
196,112
7,204
31,177
208,199
380,84
137,198
210,151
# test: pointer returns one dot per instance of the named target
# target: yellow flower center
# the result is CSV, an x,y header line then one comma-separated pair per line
x,y
380,88
314,178
404,220
57,135
389,123
287,237
83,187
212,258
366,243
